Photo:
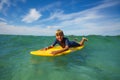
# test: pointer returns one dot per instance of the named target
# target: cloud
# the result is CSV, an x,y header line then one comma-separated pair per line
x,y
3,3
6,28
91,13
33,15
86,22
6,4
50,7
2,19
89,21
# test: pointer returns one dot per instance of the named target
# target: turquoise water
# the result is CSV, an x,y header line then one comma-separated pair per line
x,y
98,60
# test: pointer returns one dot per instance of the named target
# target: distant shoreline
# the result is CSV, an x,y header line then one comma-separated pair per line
x,y
54,35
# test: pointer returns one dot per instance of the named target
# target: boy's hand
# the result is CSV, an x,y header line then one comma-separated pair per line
x,y
54,52
44,49
47,48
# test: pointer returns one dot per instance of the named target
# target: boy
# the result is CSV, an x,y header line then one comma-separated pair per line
x,y
64,42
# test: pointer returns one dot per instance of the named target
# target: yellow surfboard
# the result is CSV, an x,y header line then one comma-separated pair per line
x,y
48,52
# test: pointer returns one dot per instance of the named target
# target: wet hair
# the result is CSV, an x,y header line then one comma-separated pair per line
x,y
59,32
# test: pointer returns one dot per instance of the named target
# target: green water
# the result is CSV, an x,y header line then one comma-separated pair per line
x,y
98,60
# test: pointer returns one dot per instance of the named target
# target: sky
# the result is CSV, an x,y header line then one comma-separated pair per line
x,y
74,17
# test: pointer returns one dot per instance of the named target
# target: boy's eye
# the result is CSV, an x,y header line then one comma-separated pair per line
x,y
59,35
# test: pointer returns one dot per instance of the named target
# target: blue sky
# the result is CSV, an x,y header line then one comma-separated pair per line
x,y
74,17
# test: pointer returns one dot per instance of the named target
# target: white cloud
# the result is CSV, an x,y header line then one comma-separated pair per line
x,y
2,19
89,21
24,30
50,6
85,22
91,13
3,3
33,15
6,4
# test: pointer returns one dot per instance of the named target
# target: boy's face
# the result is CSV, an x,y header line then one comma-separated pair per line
x,y
59,37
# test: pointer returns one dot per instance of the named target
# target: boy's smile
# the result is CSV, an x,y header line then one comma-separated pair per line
x,y
59,37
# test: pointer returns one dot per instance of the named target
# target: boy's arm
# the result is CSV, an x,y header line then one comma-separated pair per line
x,y
48,47
59,51
55,42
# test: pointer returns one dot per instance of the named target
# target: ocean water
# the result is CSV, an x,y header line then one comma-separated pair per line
x,y
98,60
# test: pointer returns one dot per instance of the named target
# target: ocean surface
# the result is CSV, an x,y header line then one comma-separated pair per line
x,y
98,60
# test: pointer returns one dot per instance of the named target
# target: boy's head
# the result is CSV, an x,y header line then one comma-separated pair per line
x,y
59,35
59,32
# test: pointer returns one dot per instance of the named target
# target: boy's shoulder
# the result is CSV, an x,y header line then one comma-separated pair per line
x,y
65,38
